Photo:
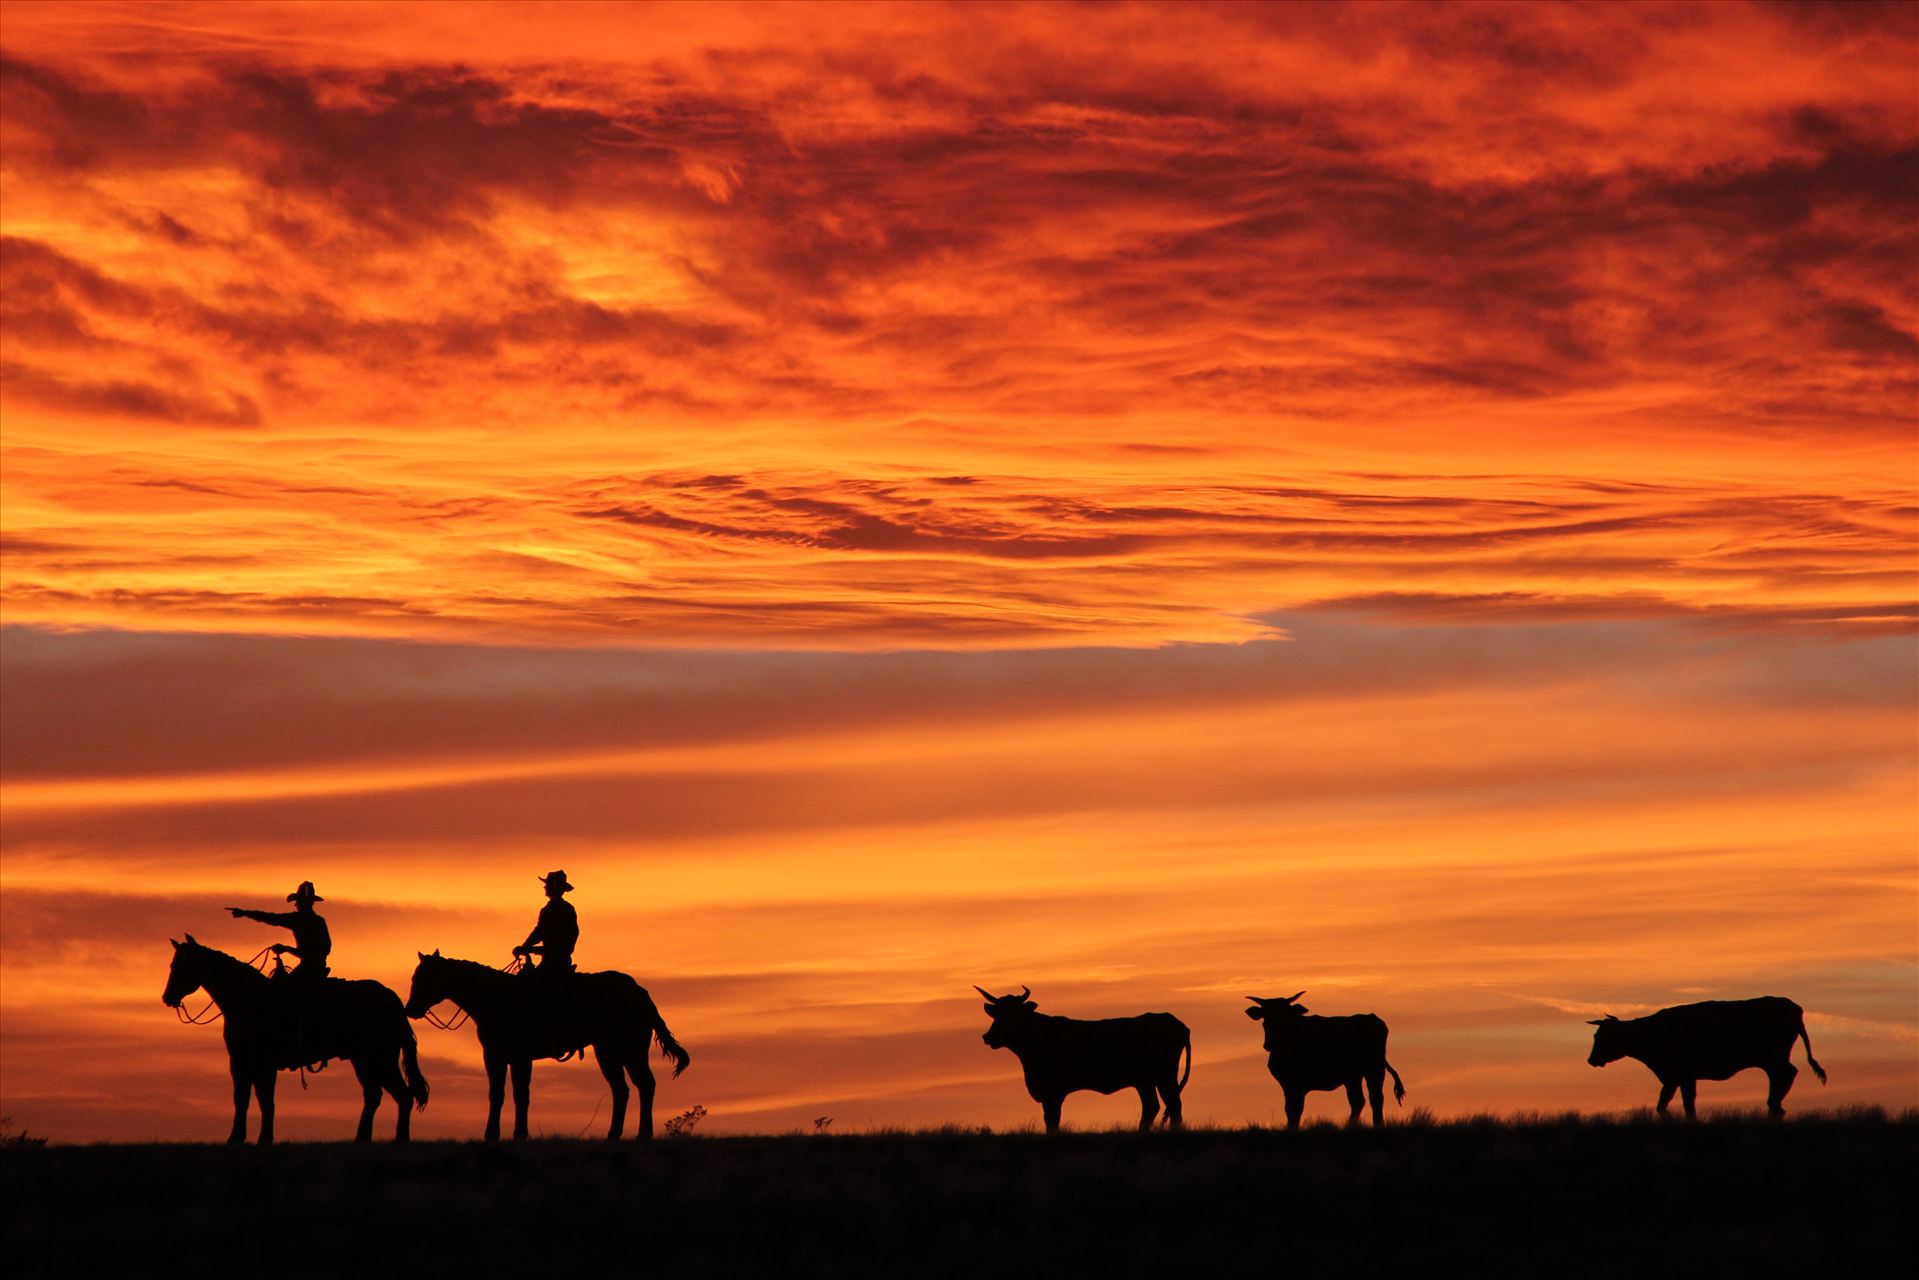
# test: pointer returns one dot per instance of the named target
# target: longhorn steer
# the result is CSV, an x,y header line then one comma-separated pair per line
x,y
1711,1040
1311,1053
1064,1055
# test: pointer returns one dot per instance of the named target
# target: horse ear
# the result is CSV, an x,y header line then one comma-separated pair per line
x,y
195,941
422,955
176,946
436,952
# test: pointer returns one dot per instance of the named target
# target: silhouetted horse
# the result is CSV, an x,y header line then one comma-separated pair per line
x,y
267,1032
1064,1055
519,1019
1307,1054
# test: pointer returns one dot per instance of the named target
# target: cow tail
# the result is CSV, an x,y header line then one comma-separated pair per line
x,y
1188,1073
410,1064
1399,1089
1810,1060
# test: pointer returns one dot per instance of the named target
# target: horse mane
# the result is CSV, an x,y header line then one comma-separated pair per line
x,y
234,963
469,964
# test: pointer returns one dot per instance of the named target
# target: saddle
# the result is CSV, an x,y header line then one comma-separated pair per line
x,y
557,1013
307,1017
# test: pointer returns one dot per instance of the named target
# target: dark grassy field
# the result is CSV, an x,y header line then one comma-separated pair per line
x,y
1817,1195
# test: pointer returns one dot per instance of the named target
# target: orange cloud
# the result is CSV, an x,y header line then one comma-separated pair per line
x,y
1411,502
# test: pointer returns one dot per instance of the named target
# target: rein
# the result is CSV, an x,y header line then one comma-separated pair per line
x,y
465,1015
211,1007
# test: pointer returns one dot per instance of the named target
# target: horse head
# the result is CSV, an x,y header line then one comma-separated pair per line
x,y
187,973
429,985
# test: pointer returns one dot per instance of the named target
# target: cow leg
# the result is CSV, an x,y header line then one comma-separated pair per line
x,y
1169,1090
1356,1100
1779,1083
1689,1094
263,1090
522,1094
642,1076
369,1078
610,1068
1666,1090
495,1095
242,1094
1376,1089
1148,1107
1049,1108
1295,1107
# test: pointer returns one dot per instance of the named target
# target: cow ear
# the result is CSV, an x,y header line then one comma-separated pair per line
x,y
1256,1014
1030,1005
987,1007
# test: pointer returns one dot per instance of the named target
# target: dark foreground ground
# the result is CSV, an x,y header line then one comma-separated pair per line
x,y
1817,1195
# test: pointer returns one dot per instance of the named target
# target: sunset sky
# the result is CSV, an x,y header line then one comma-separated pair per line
x,y
1157,504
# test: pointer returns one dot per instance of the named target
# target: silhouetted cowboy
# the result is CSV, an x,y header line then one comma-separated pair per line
x,y
311,942
556,932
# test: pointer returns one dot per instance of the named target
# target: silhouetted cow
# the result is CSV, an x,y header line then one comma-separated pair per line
x,y
1711,1040
1311,1053
1064,1055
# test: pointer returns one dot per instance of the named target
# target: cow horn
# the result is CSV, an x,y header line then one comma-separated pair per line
x,y
1026,993
1256,999
1296,995
983,991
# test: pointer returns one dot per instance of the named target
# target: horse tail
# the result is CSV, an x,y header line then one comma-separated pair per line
x,y
410,1063
668,1045
650,1018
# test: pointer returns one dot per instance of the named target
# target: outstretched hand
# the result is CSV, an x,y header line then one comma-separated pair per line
x,y
236,912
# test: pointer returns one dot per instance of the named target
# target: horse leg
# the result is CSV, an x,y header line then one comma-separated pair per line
x,y
522,1093
609,1064
369,1098
242,1094
642,1074
263,1090
495,1095
402,1098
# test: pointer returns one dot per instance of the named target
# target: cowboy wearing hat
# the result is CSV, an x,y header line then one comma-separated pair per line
x,y
311,942
556,932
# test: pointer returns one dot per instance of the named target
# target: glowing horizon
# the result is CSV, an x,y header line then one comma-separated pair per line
x,y
1411,502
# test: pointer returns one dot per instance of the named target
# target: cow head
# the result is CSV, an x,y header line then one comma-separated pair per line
x,y
1609,1041
1278,1014
1010,1014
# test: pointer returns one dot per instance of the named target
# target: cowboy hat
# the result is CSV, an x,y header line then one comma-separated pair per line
x,y
551,876
305,893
